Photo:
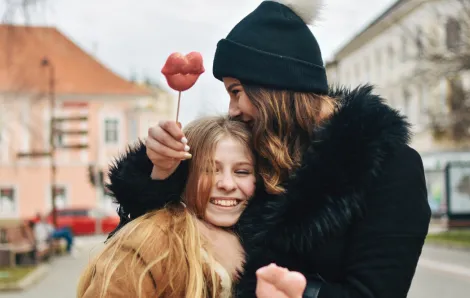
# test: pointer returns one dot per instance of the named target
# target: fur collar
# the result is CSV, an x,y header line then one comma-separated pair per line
x,y
325,195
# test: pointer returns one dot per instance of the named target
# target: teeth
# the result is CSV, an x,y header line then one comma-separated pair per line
x,y
225,203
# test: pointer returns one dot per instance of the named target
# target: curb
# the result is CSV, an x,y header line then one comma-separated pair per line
x,y
29,280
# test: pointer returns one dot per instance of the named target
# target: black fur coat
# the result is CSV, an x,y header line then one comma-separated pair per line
x,y
354,217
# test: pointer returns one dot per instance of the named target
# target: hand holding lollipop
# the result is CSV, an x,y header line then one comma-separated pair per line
x,y
166,145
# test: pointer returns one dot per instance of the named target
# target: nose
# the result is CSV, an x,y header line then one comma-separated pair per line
x,y
226,182
233,109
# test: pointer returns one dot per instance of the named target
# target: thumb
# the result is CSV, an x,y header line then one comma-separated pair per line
x,y
179,124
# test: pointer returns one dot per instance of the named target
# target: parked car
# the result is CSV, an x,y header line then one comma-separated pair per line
x,y
85,221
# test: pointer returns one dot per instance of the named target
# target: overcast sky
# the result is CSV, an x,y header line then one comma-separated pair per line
x,y
138,35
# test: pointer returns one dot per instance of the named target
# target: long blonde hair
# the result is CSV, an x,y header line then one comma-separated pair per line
x,y
181,256
284,128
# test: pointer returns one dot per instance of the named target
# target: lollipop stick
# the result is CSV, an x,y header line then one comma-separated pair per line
x,y
178,109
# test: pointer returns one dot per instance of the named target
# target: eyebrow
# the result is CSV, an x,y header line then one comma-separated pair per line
x,y
241,163
231,86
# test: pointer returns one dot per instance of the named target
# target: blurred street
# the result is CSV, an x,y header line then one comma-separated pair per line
x,y
441,273
62,279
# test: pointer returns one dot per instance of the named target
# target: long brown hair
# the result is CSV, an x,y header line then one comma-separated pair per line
x,y
285,124
181,255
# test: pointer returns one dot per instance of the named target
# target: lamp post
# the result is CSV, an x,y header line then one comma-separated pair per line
x,y
45,62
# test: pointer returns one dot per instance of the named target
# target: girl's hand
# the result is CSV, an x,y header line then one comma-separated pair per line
x,y
278,282
166,147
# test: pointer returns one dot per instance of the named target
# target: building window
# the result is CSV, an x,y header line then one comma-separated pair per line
x,y
419,41
378,62
58,135
367,69
60,194
453,34
391,56
406,102
404,48
111,131
8,201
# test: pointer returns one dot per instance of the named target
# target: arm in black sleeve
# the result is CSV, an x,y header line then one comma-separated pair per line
x,y
384,248
135,191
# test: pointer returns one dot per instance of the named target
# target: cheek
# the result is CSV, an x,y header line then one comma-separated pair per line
x,y
247,186
246,106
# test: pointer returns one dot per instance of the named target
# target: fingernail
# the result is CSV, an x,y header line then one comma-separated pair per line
x,y
188,155
184,140
186,148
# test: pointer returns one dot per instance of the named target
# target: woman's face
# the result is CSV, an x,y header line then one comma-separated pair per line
x,y
240,105
233,185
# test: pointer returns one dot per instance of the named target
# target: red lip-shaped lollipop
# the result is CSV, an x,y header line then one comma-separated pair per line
x,y
181,72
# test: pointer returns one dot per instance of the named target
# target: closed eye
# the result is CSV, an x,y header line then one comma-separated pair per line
x,y
243,172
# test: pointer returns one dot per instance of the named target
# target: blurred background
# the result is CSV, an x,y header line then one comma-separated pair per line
x,y
80,80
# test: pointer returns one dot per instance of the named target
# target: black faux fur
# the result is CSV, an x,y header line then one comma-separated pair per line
x,y
324,197
135,191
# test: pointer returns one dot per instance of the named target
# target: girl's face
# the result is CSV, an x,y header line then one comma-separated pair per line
x,y
233,185
240,105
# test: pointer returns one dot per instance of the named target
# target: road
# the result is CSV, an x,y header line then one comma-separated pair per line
x,y
441,273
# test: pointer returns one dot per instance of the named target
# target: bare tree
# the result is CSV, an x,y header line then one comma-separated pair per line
x,y
13,11
443,55
18,12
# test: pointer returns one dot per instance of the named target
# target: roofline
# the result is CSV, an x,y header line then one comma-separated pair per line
x,y
351,45
28,26
68,38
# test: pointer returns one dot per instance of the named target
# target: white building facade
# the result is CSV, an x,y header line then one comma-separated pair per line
x,y
389,55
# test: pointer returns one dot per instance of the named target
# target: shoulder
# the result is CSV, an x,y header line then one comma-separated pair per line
x,y
400,191
403,168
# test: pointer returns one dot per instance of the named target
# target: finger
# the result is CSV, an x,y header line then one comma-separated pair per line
x,y
173,129
292,284
163,152
265,289
157,133
270,273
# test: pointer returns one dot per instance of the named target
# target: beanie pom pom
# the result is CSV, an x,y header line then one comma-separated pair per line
x,y
307,10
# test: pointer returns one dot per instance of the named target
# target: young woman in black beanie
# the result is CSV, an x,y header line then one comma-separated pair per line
x,y
346,204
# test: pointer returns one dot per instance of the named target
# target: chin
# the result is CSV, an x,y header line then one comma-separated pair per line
x,y
222,222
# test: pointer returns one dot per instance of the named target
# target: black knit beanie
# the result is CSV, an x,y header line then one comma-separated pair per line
x,y
273,47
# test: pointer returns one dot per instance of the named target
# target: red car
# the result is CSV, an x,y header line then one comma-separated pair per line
x,y
85,221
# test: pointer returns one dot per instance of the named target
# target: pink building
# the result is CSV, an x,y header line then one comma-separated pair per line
x,y
114,112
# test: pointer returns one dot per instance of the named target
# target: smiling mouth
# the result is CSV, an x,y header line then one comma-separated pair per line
x,y
225,202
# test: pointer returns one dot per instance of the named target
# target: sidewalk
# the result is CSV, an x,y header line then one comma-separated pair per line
x,y
449,261
62,280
